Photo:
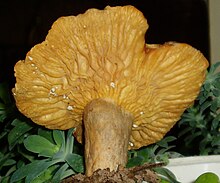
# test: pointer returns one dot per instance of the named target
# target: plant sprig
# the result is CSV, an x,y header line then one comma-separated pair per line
x,y
159,152
56,161
201,122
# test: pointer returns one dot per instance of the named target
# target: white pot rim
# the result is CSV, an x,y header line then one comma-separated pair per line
x,y
194,160
187,169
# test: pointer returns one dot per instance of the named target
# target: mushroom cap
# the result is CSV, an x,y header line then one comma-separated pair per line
x,y
102,54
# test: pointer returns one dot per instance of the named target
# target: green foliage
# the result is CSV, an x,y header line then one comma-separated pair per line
x,y
159,152
60,160
5,102
154,153
8,155
200,124
17,133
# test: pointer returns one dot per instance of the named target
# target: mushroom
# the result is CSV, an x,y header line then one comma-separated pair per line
x,y
94,72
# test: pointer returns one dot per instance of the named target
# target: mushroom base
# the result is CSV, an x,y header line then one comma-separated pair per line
x,y
107,133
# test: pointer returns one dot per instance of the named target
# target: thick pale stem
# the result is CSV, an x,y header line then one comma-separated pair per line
x,y
107,133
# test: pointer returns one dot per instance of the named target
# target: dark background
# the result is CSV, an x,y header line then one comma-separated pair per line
x,y
24,23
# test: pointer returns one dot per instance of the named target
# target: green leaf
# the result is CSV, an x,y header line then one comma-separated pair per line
x,y
25,154
11,170
215,123
207,86
31,171
17,132
202,98
146,153
164,150
5,179
136,161
3,134
214,105
16,122
167,174
76,162
205,105
62,173
4,158
9,162
40,145
216,92
48,134
47,175
173,154
58,175
3,116
203,143
214,67
216,84
58,137
20,164
69,141
216,141
67,173
164,142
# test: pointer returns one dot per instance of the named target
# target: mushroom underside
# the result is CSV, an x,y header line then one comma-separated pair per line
x,y
98,65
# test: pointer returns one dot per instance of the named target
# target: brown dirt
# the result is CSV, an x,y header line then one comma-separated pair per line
x,y
129,175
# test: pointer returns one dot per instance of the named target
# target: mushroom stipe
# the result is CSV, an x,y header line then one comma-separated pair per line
x,y
108,130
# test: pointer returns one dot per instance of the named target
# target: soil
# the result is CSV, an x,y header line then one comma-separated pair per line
x,y
129,175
